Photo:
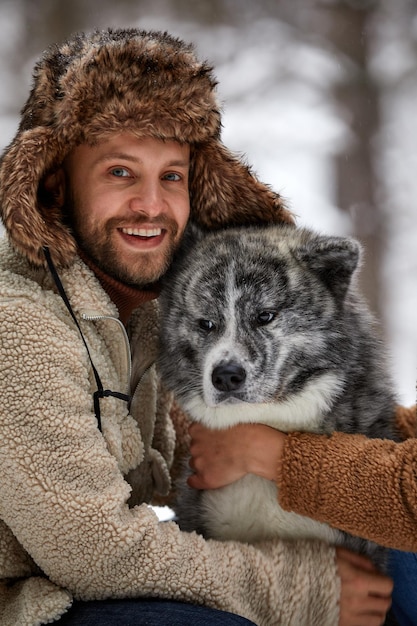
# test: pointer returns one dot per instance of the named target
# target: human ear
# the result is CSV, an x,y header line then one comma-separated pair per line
x,y
54,188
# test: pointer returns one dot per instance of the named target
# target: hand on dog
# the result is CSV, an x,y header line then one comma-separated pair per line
x,y
365,594
220,457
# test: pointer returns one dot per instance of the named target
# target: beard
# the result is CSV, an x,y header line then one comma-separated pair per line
x,y
97,240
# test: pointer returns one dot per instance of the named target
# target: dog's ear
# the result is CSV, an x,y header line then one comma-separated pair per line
x,y
193,234
333,259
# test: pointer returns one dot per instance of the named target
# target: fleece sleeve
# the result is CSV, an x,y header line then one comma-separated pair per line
x,y
367,487
64,499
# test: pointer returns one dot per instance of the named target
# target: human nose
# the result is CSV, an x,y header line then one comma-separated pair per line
x,y
147,198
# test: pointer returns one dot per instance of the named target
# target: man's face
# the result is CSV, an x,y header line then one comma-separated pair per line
x,y
128,203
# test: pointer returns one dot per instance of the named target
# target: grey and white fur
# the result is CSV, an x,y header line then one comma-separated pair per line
x,y
265,324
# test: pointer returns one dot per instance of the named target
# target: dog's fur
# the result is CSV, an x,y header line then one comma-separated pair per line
x,y
264,324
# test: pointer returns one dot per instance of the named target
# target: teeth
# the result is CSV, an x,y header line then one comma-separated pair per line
x,y
142,232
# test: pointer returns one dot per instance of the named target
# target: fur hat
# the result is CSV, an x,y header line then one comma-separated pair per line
x,y
147,83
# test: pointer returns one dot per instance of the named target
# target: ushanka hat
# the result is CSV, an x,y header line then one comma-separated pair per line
x,y
147,83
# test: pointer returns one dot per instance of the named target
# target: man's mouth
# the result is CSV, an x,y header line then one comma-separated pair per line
x,y
142,232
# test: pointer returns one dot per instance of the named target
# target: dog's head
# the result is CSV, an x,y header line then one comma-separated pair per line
x,y
253,316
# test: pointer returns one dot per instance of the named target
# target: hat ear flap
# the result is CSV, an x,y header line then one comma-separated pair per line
x,y
224,192
27,161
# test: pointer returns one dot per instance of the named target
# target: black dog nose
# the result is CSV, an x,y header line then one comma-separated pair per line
x,y
228,377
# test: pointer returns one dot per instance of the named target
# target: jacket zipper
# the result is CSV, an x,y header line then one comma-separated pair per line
x,y
94,318
139,381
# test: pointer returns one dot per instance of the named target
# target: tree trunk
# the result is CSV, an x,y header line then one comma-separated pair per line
x,y
348,30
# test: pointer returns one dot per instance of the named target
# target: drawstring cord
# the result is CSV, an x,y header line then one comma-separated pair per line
x,y
101,392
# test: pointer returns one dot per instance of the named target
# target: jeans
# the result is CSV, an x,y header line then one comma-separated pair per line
x,y
403,570
147,612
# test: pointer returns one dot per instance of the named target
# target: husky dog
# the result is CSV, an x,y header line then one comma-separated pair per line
x,y
264,324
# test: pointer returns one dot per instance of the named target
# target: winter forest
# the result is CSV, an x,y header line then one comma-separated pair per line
x,y
320,97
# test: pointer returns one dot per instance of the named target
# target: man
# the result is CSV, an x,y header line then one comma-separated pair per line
x,y
118,146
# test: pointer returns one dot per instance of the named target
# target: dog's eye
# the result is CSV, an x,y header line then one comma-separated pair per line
x,y
206,325
265,317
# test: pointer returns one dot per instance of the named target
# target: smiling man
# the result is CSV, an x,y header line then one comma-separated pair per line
x,y
128,203
118,147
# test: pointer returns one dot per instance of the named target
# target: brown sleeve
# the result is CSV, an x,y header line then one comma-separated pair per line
x,y
406,420
367,487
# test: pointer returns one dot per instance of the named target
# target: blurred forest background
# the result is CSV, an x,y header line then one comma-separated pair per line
x,y
319,95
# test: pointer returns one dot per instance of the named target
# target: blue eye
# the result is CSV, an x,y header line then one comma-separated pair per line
x,y
172,176
120,172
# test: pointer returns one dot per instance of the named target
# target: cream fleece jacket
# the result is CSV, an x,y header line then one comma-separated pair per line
x,y
74,514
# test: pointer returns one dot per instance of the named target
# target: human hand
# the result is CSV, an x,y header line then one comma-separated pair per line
x,y
220,457
365,595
